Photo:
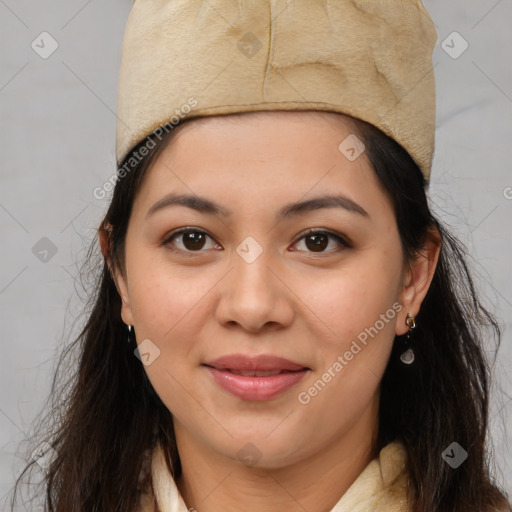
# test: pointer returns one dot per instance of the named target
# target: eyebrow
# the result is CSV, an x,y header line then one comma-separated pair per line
x,y
204,205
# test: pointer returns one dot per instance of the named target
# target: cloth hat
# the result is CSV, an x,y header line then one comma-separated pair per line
x,y
370,59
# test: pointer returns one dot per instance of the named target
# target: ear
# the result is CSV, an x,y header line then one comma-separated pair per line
x,y
104,236
417,279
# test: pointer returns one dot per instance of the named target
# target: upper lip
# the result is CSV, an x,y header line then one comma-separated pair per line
x,y
260,362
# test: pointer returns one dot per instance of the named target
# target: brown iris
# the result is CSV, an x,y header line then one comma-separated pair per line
x,y
320,242
193,240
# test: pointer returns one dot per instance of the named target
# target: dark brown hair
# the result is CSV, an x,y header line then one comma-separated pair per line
x,y
105,416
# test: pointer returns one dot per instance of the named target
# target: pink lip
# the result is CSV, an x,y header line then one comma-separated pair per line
x,y
260,362
253,387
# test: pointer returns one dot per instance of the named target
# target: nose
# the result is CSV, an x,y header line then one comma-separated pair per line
x,y
255,296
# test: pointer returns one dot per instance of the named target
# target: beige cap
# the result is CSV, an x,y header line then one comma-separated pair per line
x,y
371,59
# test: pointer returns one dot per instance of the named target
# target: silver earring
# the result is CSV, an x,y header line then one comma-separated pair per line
x,y
407,357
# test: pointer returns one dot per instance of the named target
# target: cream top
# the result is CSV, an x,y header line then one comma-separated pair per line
x,y
381,486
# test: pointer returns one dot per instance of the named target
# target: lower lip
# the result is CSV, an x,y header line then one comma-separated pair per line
x,y
256,388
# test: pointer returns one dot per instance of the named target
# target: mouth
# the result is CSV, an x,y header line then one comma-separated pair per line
x,y
255,378
253,373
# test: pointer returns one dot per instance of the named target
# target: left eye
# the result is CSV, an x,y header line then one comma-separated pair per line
x,y
193,240
319,240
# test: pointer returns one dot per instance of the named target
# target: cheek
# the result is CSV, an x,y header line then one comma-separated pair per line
x,y
169,309
165,305
358,318
352,299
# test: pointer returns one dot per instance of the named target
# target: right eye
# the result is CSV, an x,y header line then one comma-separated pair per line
x,y
191,240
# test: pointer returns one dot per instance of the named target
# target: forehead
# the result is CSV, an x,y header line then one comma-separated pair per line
x,y
293,122
283,140
272,155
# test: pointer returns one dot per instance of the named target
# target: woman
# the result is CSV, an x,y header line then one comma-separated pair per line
x,y
281,322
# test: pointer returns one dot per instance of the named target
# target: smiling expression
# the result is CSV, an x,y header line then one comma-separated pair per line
x,y
254,236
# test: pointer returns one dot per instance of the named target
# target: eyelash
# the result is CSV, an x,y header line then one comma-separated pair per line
x,y
340,239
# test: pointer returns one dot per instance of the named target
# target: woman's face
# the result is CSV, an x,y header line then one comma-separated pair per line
x,y
247,281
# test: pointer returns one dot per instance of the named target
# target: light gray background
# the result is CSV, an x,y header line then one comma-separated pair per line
x,y
57,142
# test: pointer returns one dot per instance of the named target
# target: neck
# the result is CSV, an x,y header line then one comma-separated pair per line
x,y
211,482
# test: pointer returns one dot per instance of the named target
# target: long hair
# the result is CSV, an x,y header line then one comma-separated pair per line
x,y
105,418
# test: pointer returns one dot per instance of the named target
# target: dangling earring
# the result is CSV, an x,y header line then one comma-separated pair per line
x,y
130,337
407,357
